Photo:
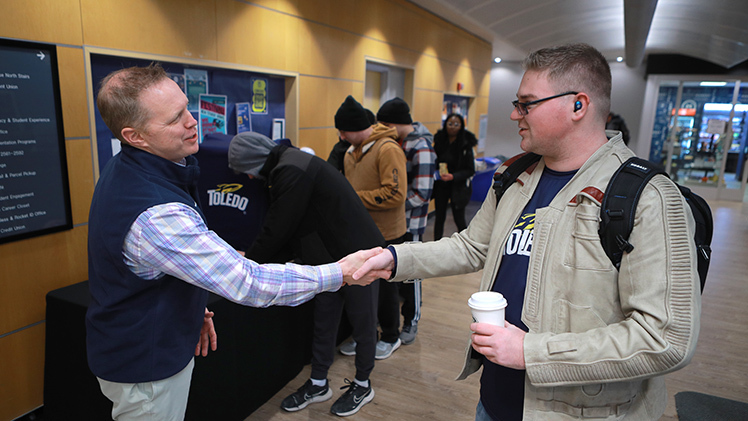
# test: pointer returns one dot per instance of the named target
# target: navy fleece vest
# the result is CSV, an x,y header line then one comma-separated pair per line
x,y
138,330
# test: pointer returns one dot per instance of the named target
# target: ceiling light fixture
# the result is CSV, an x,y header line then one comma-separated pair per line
x,y
619,59
705,83
497,60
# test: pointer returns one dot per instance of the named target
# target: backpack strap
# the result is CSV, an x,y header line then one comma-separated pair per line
x,y
618,207
502,181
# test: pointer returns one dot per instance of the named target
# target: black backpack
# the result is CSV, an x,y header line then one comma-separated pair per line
x,y
618,207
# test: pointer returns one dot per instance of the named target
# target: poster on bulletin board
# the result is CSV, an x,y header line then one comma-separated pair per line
x,y
259,95
196,84
243,118
212,115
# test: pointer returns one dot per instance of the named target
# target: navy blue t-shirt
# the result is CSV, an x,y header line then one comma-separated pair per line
x,y
502,389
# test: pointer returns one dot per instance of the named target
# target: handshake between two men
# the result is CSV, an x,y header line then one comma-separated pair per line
x,y
366,266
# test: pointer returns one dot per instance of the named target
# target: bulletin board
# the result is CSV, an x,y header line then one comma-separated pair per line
x,y
265,94
455,104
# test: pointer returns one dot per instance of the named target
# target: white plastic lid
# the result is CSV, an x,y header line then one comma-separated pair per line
x,y
487,300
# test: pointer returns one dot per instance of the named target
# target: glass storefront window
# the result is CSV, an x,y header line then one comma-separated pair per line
x,y
699,133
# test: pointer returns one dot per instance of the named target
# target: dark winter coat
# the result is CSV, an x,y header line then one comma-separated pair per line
x,y
314,216
460,162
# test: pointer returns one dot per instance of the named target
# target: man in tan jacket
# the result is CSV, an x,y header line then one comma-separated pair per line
x,y
583,339
375,165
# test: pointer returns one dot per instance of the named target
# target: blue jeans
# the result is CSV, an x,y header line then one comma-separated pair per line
x,y
481,414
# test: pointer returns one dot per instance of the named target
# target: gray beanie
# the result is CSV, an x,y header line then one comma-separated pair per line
x,y
248,152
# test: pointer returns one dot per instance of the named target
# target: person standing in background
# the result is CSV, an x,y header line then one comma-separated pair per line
x,y
416,142
315,217
376,168
616,122
337,154
454,156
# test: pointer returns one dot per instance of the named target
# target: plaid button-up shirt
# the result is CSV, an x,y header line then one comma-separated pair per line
x,y
173,239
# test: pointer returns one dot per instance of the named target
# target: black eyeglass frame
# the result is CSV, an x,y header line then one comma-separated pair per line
x,y
521,107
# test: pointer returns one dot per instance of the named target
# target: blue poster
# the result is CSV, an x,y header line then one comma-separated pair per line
x,y
243,118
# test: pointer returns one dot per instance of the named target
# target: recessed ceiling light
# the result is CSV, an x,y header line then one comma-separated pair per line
x,y
619,59
497,60
712,83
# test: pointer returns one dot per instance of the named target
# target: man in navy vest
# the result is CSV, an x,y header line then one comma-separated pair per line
x,y
152,258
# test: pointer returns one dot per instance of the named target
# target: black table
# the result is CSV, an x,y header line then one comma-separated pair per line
x,y
259,351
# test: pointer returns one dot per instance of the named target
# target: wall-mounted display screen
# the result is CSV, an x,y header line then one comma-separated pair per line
x,y
34,191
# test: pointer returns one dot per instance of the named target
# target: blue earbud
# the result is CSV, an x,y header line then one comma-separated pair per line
x,y
577,106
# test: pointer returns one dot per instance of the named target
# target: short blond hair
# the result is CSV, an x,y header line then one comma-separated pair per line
x,y
575,67
119,94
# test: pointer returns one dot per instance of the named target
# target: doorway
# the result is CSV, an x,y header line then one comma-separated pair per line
x,y
384,82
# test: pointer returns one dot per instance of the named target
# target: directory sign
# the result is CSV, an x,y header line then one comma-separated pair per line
x,y
34,191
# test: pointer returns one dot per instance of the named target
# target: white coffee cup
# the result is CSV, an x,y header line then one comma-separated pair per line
x,y
488,307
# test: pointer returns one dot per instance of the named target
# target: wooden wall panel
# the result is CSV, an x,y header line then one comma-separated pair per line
x,y
71,66
180,28
31,268
431,73
388,23
484,83
320,139
81,176
373,90
467,77
389,54
257,36
50,21
292,109
321,98
347,15
22,372
290,7
330,52
427,107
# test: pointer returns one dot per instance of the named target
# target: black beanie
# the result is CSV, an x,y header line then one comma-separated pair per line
x,y
395,111
351,116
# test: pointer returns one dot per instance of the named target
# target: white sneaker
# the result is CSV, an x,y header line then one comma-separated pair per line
x,y
348,347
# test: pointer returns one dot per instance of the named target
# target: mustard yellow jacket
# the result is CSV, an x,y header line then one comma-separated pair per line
x,y
377,171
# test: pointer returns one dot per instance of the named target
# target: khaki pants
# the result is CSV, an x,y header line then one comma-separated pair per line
x,y
162,400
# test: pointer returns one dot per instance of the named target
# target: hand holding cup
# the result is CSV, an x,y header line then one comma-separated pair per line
x,y
488,307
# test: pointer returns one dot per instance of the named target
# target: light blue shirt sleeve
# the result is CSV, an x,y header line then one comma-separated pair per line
x,y
173,239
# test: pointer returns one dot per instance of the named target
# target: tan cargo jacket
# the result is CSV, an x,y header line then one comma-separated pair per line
x,y
599,339
377,171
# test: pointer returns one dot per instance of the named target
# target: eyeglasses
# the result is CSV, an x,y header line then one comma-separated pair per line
x,y
521,107
454,125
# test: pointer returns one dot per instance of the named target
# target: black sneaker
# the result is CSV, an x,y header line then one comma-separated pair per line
x,y
306,394
353,399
